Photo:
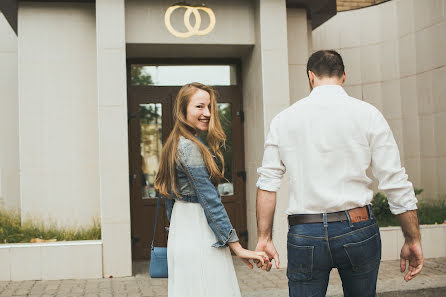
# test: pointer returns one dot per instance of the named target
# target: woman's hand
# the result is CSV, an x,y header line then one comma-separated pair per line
x,y
246,255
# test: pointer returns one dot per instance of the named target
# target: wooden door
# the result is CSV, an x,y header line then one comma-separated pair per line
x,y
150,122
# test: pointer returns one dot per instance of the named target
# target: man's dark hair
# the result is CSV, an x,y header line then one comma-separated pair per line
x,y
326,63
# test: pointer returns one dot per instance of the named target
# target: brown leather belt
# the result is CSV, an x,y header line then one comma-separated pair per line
x,y
358,214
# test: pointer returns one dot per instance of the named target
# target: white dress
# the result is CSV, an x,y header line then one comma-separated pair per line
x,y
196,269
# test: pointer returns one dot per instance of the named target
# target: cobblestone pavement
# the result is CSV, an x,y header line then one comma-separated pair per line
x,y
255,283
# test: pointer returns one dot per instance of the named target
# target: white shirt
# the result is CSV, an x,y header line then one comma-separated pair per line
x,y
326,142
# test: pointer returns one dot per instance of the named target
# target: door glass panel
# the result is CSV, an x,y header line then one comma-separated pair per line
x,y
150,119
179,75
226,187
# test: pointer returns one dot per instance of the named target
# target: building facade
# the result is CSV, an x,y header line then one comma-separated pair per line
x,y
87,89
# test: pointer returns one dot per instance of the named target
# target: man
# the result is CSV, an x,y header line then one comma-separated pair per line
x,y
326,142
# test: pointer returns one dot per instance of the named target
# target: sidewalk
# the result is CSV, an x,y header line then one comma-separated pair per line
x,y
256,283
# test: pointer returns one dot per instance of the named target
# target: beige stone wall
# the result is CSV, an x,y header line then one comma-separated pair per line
x,y
9,124
299,47
343,5
395,58
58,115
144,23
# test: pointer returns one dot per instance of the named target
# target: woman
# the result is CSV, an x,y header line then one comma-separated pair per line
x,y
199,264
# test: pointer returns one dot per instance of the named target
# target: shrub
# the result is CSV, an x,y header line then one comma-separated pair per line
x,y
429,211
381,211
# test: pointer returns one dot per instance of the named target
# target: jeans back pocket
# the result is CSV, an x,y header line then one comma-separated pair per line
x,y
300,262
364,253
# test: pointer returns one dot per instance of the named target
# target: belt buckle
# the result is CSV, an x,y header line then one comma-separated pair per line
x,y
359,214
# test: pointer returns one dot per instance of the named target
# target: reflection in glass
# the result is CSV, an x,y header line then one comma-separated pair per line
x,y
179,75
226,187
151,144
138,77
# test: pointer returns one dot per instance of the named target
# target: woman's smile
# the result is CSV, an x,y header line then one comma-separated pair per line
x,y
198,111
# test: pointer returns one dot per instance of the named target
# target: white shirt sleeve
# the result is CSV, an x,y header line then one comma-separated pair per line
x,y
272,169
386,167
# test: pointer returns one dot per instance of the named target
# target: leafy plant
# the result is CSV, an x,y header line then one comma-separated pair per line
x,y
381,211
429,211
432,212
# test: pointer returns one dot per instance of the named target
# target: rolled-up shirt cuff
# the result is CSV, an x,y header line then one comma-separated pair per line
x,y
396,210
232,237
267,184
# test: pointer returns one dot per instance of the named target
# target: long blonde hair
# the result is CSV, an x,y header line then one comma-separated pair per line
x,y
166,180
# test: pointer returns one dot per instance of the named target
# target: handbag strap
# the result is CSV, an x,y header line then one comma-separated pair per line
x,y
156,218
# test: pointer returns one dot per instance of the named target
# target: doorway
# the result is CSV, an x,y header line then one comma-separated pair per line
x,y
152,88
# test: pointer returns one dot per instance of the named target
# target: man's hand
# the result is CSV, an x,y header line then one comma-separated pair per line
x,y
266,204
267,246
411,252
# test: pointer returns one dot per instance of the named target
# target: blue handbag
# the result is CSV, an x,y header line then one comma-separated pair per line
x,y
158,255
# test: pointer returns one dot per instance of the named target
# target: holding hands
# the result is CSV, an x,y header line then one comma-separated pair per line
x,y
259,257
263,255
268,247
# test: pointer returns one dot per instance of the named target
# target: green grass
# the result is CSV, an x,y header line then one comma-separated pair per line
x,y
429,211
12,231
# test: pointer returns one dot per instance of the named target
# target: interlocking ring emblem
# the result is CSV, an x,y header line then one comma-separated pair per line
x,y
192,30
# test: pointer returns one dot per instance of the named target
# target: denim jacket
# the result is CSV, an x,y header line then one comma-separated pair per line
x,y
194,185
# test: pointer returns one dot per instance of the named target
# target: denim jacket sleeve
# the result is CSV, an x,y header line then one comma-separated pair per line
x,y
191,161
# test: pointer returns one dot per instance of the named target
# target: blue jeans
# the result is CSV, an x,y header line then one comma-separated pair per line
x,y
314,249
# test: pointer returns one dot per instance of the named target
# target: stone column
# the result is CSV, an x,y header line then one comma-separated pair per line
x,y
113,139
298,51
265,94
9,124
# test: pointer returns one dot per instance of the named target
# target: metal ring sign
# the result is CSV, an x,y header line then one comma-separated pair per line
x,y
191,30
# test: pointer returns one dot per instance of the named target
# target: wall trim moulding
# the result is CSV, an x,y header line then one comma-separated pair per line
x,y
51,261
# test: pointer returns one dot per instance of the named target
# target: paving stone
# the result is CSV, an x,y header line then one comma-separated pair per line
x,y
147,292
22,292
7,293
77,290
36,290
253,283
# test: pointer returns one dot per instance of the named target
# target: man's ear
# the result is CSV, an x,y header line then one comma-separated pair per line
x,y
311,78
344,77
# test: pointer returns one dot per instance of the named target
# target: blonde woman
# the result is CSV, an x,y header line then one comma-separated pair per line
x,y
199,262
